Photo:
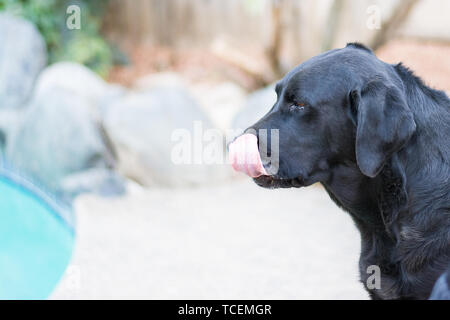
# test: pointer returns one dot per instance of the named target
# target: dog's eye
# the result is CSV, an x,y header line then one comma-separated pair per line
x,y
297,106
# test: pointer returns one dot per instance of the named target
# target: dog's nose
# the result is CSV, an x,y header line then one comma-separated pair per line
x,y
244,156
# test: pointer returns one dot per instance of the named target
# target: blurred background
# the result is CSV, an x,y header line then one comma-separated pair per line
x,y
92,91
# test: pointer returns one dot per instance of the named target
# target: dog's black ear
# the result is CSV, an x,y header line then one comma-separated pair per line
x,y
384,124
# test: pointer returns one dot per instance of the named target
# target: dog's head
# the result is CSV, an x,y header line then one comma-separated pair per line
x,y
342,107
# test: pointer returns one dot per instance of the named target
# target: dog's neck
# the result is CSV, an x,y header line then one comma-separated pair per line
x,y
373,203
376,203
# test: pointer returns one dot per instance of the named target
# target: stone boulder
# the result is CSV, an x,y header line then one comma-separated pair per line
x,y
220,101
256,106
22,56
57,137
80,81
9,120
101,181
145,129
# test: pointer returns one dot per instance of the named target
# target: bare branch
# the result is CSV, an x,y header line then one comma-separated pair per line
x,y
390,27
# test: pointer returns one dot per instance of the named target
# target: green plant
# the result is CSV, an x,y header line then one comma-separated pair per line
x,y
85,45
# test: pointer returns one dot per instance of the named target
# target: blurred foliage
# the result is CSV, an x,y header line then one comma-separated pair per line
x,y
85,46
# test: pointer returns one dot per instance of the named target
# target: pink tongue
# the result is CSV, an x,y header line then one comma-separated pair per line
x,y
244,156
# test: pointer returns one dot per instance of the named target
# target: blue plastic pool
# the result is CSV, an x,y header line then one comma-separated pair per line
x,y
36,240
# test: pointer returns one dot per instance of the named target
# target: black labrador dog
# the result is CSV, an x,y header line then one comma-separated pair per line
x,y
378,139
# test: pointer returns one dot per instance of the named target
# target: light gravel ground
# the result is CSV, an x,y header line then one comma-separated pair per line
x,y
234,241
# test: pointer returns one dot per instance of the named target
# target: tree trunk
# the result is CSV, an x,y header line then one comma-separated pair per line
x,y
334,18
390,27
274,49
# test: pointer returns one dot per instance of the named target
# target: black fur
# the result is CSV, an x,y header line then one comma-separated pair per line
x,y
377,138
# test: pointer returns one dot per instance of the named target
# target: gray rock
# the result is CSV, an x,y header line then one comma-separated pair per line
x,y
220,101
141,127
2,141
257,105
9,120
80,81
101,181
57,137
22,56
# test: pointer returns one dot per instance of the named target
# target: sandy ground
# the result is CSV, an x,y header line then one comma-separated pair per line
x,y
234,241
